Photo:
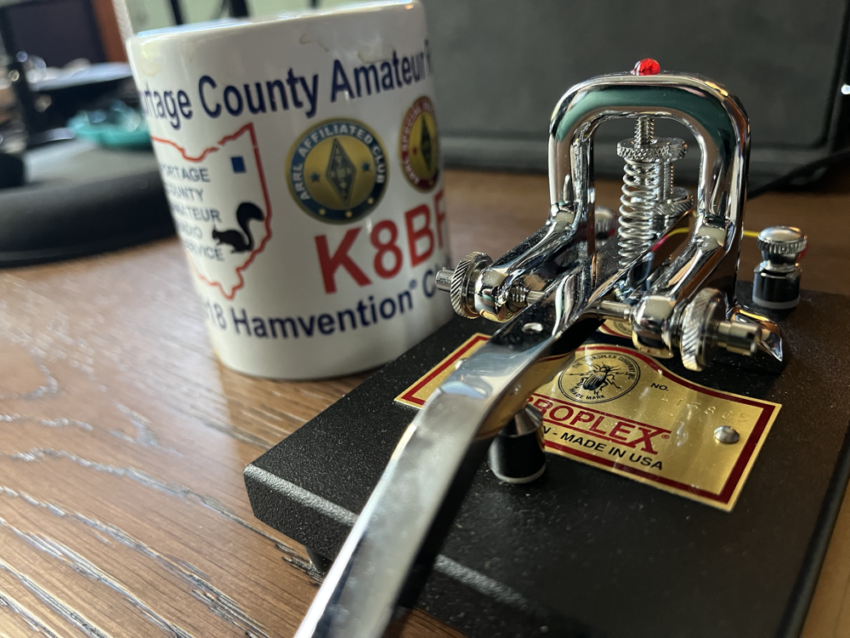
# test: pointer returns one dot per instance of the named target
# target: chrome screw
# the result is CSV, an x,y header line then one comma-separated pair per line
x,y
727,434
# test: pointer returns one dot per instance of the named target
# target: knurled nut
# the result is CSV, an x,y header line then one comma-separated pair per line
x,y
676,207
781,247
680,194
663,149
695,329
466,268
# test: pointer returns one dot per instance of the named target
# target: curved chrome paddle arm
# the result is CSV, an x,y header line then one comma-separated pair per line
x,y
553,290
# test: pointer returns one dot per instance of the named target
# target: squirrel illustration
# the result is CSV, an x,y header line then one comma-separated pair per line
x,y
241,244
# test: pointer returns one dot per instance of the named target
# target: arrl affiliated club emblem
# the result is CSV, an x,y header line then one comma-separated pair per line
x,y
599,377
338,171
418,147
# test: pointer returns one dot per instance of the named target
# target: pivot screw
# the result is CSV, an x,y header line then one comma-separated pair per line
x,y
703,328
727,434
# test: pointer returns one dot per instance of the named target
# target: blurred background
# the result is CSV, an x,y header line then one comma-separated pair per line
x,y
69,111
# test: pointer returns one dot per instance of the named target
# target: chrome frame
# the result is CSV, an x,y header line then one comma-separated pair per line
x,y
388,554
720,125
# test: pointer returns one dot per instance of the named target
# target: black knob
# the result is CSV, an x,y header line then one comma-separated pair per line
x,y
776,281
516,454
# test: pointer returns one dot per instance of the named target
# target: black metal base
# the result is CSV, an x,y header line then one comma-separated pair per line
x,y
583,552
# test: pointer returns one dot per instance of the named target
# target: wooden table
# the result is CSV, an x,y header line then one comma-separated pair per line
x,y
122,440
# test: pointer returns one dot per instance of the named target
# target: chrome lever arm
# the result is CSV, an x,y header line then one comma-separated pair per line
x,y
400,530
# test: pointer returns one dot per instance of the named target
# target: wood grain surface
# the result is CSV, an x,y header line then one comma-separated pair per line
x,y
122,441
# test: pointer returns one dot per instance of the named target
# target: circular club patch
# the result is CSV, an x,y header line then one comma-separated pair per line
x,y
338,171
599,377
418,146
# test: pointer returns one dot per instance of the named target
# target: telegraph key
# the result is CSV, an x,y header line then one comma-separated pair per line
x,y
611,439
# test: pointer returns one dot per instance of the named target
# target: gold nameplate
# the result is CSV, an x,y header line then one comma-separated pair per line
x,y
622,329
622,411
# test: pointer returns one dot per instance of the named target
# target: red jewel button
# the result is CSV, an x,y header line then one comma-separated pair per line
x,y
647,66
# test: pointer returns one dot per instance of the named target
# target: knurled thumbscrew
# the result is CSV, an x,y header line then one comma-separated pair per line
x,y
776,280
460,281
703,328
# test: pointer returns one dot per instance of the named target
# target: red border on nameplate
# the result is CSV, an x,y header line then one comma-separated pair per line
x,y
410,395
738,474
249,128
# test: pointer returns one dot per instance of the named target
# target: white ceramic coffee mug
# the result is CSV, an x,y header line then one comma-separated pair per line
x,y
301,158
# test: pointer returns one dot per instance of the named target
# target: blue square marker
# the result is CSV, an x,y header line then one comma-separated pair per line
x,y
238,164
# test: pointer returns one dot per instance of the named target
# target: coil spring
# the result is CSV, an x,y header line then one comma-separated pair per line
x,y
641,183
